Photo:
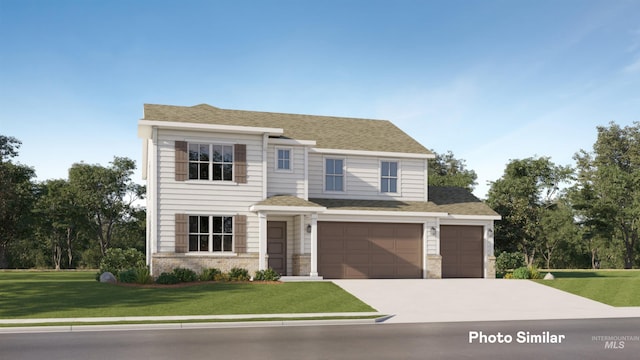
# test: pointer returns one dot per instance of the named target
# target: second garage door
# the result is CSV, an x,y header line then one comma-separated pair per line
x,y
369,250
461,249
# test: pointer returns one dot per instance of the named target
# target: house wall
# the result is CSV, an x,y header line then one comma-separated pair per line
x,y
203,197
281,182
363,178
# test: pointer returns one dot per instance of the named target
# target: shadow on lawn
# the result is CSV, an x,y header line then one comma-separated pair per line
x,y
32,298
574,274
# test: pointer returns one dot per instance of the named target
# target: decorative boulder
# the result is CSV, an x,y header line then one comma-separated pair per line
x,y
107,277
549,276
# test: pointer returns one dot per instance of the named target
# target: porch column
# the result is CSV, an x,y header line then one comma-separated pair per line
x,y
314,245
262,237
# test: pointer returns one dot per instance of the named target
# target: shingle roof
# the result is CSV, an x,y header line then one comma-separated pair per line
x,y
329,132
451,200
287,200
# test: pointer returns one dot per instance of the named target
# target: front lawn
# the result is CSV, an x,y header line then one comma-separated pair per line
x,y
613,287
78,294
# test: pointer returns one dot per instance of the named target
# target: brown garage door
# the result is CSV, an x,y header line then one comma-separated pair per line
x,y
461,250
369,250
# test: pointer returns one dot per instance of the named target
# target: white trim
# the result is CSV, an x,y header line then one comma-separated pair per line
x,y
314,245
278,141
472,217
262,241
306,174
211,127
324,175
373,153
277,160
426,180
389,215
398,191
287,209
265,170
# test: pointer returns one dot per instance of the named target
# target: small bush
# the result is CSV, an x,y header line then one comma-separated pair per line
x,y
116,260
185,275
521,273
167,279
507,261
143,276
221,277
209,274
508,276
127,276
534,273
266,275
238,274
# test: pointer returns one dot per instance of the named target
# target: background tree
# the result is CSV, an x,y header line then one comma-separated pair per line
x,y
106,195
16,198
59,220
524,195
446,170
607,194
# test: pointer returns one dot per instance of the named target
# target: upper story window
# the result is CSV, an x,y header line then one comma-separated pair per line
x,y
211,234
210,162
389,176
334,174
283,159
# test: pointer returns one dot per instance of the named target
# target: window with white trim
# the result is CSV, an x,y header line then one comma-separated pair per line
x,y
210,162
334,174
283,159
389,176
211,234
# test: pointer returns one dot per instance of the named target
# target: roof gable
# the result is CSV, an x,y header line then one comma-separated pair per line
x,y
329,132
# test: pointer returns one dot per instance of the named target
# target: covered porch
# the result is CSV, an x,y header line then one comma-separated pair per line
x,y
288,236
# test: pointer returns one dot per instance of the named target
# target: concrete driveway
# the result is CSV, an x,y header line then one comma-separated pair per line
x,y
450,300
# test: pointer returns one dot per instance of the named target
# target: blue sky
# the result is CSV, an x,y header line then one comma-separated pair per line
x,y
489,80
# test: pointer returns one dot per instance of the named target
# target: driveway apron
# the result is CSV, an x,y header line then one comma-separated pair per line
x,y
452,300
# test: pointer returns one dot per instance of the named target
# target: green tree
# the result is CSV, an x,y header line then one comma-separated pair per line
x,y
106,195
558,230
16,197
528,189
446,170
60,220
607,193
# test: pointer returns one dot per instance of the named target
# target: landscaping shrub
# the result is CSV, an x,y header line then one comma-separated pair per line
x,y
238,274
143,276
508,276
185,275
209,274
507,261
127,276
534,273
167,279
521,273
116,260
221,277
266,275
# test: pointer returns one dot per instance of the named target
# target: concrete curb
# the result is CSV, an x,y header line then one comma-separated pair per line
x,y
184,326
225,321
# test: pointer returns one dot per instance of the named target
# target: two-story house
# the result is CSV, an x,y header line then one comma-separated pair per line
x,y
314,196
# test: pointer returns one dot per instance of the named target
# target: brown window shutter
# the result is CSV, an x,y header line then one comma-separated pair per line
x,y
182,233
240,163
240,233
182,161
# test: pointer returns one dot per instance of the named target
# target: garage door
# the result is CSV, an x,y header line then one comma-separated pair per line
x,y
369,250
461,250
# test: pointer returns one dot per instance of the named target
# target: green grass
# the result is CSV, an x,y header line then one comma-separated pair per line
x,y
77,294
613,287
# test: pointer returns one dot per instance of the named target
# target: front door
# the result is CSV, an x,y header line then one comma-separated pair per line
x,y
277,246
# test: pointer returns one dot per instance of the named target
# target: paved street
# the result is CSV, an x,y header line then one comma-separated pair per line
x,y
394,341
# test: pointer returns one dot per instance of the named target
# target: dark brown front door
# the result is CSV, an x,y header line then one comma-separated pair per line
x,y
277,246
461,249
